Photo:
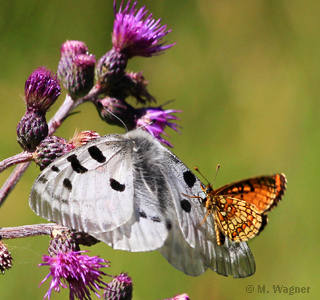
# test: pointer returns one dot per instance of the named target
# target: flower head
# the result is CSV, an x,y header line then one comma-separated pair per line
x,y
81,272
42,89
76,68
32,129
5,258
155,119
137,35
111,67
120,288
49,150
115,111
73,48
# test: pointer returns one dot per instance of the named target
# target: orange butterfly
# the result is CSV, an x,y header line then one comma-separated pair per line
x,y
240,208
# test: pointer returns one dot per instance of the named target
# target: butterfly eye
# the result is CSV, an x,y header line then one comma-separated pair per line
x,y
208,189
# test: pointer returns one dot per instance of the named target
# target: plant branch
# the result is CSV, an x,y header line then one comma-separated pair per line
x,y
16,159
30,230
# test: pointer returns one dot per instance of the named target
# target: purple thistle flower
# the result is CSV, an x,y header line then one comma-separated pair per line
x,y
42,89
81,272
137,35
160,118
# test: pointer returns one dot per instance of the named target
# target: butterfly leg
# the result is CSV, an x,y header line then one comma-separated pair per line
x,y
200,199
206,216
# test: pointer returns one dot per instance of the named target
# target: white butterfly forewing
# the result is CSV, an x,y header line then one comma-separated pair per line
x,y
88,188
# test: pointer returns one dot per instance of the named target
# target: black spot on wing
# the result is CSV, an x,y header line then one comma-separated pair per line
x,y
42,179
185,205
142,214
96,154
75,164
116,185
155,219
168,224
67,184
251,186
55,169
189,178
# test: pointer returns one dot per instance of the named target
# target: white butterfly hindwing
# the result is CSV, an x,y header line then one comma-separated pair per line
x,y
127,190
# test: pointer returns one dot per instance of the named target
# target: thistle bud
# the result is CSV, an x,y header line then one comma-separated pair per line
x,y
32,129
76,68
121,109
111,67
61,242
120,288
50,149
5,258
73,48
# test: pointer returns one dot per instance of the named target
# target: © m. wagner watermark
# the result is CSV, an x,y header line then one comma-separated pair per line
x,y
278,289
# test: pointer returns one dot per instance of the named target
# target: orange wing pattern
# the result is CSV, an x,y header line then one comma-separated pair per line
x,y
240,208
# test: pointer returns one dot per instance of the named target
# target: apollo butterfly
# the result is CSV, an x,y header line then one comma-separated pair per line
x,y
240,208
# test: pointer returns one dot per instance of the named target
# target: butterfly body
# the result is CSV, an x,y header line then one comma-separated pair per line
x,y
240,208
127,191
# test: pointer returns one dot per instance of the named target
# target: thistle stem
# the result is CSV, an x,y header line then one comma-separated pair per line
x,y
16,159
30,230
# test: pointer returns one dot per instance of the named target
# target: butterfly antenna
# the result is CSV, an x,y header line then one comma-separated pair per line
x,y
145,125
215,176
196,168
112,114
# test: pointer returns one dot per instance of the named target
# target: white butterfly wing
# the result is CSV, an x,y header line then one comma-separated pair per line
x,y
190,247
181,255
88,188
146,230
229,259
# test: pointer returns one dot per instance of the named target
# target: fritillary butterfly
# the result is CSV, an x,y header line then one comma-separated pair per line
x,y
240,208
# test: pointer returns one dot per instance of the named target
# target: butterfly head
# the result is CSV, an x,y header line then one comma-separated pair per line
x,y
207,189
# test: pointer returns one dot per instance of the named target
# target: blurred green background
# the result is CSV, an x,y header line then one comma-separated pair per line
x,y
246,75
